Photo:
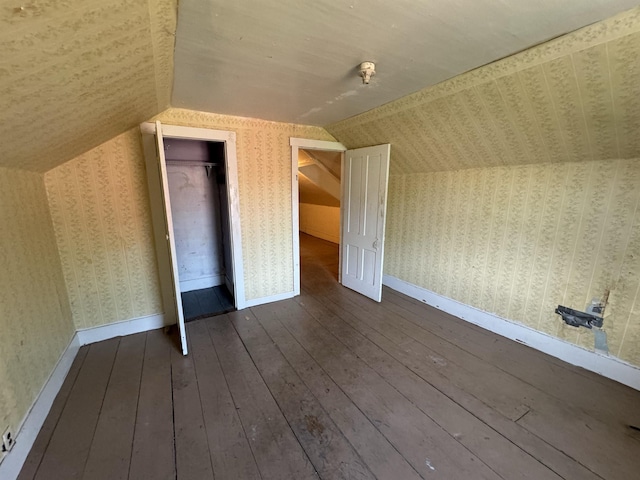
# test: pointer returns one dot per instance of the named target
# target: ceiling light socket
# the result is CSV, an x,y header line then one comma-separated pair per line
x,y
367,70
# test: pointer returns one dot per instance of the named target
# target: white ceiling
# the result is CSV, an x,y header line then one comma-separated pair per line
x,y
294,61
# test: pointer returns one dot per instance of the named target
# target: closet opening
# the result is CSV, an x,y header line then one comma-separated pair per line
x,y
197,181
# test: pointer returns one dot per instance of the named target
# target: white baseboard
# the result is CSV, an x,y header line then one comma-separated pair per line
x,y
200,283
607,366
27,433
119,329
262,300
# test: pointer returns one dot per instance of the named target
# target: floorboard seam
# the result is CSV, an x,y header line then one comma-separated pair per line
x,y
37,469
349,397
204,423
273,397
311,393
135,420
338,317
235,404
442,392
104,395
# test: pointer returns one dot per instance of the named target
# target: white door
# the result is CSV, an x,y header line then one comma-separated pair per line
x,y
175,281
364,199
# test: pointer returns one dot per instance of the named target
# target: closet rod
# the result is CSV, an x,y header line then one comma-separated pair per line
x,y
188,163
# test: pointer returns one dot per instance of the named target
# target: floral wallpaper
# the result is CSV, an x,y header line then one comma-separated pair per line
x,y
100,210
264,176
571,99
75,74
35,320
519,240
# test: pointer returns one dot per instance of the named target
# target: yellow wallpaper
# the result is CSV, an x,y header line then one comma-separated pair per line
x,y
264,176
100,210
74,74
320,221
571,99
518,241
35,320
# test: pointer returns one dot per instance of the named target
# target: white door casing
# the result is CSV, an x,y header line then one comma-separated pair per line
x,y
152,135
364,204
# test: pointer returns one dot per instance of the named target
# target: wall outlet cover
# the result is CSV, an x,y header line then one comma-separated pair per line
x,y
7,440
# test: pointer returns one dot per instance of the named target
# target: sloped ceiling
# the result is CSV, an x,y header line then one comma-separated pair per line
x,y
572,99
74,74
331,160
309,192
295,61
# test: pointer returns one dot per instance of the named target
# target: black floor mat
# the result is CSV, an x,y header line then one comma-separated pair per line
x,y
206,302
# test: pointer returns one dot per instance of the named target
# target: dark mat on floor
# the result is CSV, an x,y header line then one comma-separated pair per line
x,y
207,302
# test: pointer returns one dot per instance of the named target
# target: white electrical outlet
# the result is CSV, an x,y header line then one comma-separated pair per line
x,y
7,440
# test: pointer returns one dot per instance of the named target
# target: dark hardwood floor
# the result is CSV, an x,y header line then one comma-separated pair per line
x,y
333,385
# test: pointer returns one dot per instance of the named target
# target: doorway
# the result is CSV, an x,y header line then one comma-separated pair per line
x,y
196,176
214,158
298,144
319,193
364,175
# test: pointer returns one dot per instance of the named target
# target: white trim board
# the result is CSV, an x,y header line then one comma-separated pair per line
x,y
120,329
28,432
604,365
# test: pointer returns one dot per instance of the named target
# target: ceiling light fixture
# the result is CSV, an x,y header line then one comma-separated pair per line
x,y
367,70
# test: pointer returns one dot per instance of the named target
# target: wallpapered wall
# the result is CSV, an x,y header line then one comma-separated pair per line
x,y
34,312
518,241
100,210
572,99
79,73
320,221
99,204
264,176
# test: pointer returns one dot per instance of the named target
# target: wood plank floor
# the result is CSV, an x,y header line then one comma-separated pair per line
x,y
332,385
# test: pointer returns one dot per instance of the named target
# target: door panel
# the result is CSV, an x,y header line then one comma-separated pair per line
x,y
366,173
175,279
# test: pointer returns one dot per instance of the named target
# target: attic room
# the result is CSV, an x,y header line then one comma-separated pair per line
x,y
510,188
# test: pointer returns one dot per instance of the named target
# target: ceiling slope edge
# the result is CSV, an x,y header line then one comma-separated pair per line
x,y
618,26
574,98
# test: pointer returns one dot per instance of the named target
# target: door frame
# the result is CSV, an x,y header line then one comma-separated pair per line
x,y
307,144
148,130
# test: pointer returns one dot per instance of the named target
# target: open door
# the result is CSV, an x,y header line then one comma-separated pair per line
x,y
153,135
161,167
364,203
